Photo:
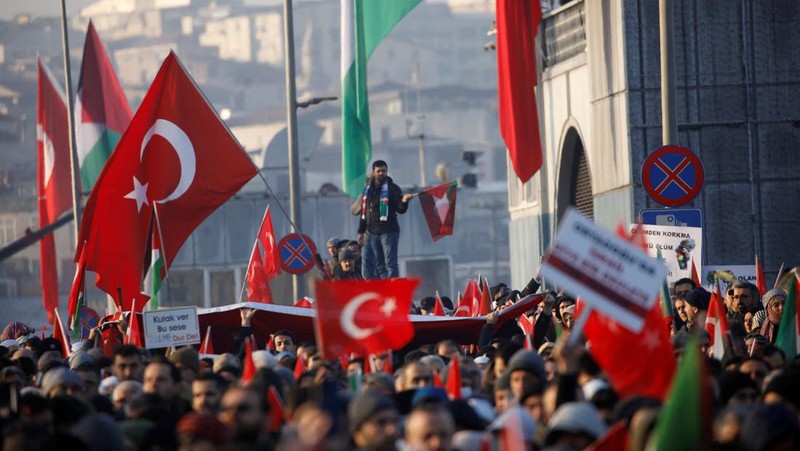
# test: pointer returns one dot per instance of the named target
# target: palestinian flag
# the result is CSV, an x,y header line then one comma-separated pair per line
x,y
157,268
439,206
102,111
76,299
788,338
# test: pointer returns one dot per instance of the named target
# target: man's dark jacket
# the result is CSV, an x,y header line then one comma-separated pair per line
x,y
372,223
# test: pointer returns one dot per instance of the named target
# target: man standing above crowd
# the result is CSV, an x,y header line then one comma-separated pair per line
x,y
378,230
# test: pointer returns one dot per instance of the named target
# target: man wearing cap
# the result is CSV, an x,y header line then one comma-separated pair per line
x,y
373,421
524,368
61,380
378,230
346,270
333,261
575,425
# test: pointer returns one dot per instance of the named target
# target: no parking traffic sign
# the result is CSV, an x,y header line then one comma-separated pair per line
x,y
672,175
297,253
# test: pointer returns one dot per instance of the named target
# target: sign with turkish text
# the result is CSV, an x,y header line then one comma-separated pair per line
x,y
609,273
675,247
171,327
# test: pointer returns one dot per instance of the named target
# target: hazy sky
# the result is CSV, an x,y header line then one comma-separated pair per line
x,y
10,8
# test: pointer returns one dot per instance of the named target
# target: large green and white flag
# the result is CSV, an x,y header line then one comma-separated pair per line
x,y
364,24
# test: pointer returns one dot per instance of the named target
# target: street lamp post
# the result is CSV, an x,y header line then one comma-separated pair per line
x,y
291,120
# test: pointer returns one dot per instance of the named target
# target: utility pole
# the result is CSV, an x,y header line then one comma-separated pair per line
x,y
291,120
73,151
669,122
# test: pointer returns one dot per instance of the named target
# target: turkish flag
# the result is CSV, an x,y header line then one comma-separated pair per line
x,y
453,384
486,299
277,410
363,316
257,281
464,304
249,366
761,282
60,334
54,186
134,335
438,308
636,363
517,27
439,206
177,160
266,236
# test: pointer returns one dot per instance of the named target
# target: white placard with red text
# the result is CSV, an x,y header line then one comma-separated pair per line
x,y
608,272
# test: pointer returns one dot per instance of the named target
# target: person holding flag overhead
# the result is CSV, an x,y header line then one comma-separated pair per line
x,y
378,230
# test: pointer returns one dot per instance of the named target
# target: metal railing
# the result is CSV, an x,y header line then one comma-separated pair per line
x,y
564,33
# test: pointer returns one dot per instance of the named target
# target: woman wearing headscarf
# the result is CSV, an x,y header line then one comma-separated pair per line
x,y
770,317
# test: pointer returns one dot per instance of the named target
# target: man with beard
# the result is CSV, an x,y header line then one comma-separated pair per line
x,y
246,413
378,230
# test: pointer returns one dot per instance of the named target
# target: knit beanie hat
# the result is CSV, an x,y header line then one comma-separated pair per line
x,y
204,426
527,361
365,406
346,254
772,294
60,376
187,357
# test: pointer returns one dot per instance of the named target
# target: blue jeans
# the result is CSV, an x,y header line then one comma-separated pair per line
x,y
379,256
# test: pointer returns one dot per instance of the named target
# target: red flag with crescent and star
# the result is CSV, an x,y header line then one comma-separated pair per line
x,y
177,160
363,316
54,187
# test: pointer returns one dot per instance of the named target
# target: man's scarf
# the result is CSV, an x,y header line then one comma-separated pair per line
x,y
384,204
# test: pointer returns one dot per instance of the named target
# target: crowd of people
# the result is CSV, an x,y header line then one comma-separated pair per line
x,y
548,394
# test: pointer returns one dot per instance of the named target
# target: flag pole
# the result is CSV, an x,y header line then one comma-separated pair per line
x,y
73,152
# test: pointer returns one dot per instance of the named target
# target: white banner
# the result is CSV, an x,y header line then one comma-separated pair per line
x,y
171,327
609,273
679,247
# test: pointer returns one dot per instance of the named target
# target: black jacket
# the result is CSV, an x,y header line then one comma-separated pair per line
x,y
372,223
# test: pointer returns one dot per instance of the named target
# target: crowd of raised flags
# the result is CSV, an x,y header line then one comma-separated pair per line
x,y
174,162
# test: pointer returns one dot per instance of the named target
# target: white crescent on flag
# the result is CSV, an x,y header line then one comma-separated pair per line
x,y
348,313
179,141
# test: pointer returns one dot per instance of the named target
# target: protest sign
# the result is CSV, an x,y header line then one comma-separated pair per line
x,y
679,246
609,273
171,327
746,273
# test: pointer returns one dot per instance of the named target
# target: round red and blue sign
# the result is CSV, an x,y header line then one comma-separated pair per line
x,y
297,253
672,175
